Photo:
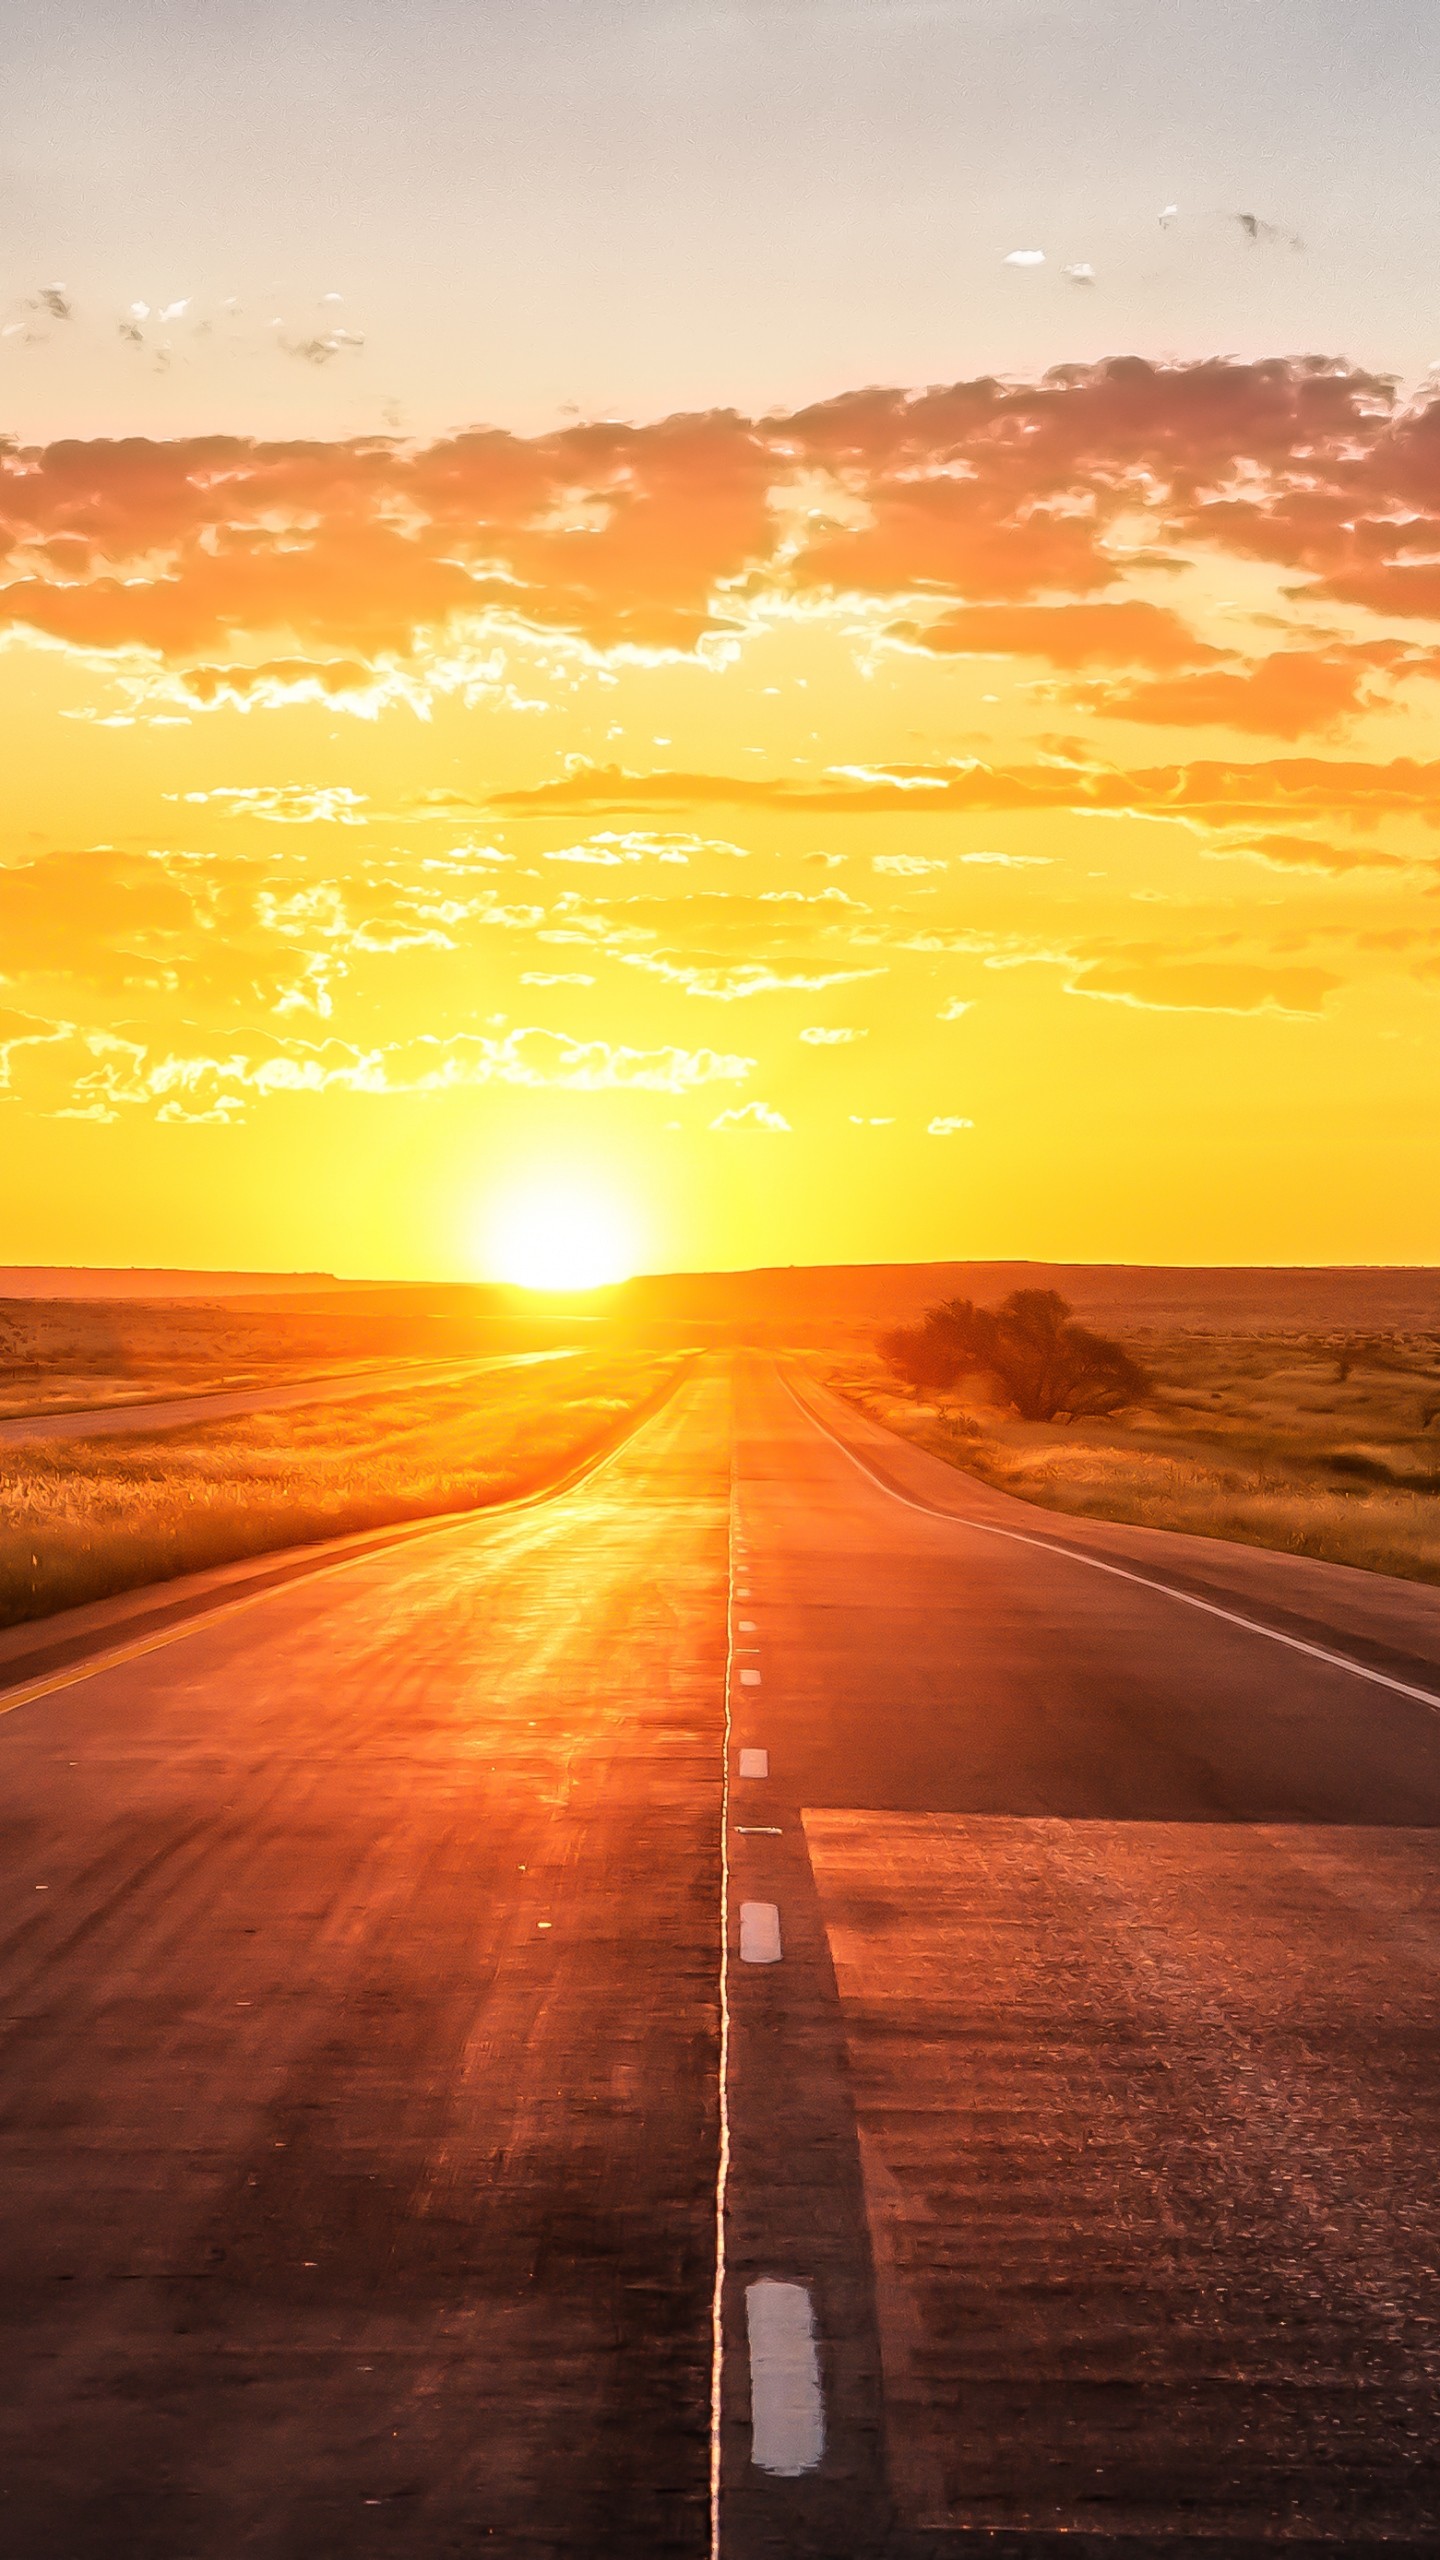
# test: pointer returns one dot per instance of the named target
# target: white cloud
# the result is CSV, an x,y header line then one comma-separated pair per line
x,y
819,1039
752,1115
947,1128
910,866
957,1006
1011,861
94,1074
742,978
285,804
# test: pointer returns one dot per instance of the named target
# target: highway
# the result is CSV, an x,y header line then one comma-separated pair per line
x,y
1062,2088
221,1404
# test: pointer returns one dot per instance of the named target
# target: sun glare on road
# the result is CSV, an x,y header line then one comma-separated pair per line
x,y
560,1235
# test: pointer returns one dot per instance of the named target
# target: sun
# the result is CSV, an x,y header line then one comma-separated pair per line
x,y
560,1234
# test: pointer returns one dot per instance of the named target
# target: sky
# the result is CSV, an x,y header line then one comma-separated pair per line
x,y
810,630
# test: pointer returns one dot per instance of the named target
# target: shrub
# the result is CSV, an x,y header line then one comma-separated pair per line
x,y
1045,1365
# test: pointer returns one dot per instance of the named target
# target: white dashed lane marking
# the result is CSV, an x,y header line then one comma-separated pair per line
x,y
787,2411
749,1679
760,1933
754,1764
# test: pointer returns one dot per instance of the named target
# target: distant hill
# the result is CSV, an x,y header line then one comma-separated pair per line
x,y
74,1280
797,1302
790,1302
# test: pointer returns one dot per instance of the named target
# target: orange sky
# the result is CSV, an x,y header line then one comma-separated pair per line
x,y
986,821
995,818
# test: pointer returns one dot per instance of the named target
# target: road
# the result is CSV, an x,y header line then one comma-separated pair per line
x,y
175,1413
369,2043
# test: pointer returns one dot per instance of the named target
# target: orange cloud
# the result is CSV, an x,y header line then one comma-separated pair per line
x,y
981,494
1282,786
1132,634
1287,695
114,919
1205,986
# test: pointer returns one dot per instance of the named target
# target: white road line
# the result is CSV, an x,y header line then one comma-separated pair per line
x,y
1121,1573
749,1679
787,2410
760,1933
754,1764
747,1831
747,1626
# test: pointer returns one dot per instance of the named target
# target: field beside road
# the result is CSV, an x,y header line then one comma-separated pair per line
x,y
81,1520
1318,1444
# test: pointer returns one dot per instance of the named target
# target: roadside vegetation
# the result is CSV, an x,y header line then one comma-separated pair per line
x,y
1322,1444
80,1520
60,1355
1034,1354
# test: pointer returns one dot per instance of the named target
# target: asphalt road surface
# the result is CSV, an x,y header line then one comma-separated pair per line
x,y
175,1413
1067,2084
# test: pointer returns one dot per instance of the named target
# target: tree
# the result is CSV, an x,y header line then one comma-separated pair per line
x,y
920,1355
1047,1366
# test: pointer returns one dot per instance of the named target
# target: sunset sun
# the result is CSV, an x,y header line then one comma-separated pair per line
x,y
560,1234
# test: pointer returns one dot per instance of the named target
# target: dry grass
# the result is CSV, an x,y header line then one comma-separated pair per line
x,y
80,1520
1321,1445
60,1355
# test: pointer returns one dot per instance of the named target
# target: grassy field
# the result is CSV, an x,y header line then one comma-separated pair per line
x,y
80,1520
1324,1445
59,1355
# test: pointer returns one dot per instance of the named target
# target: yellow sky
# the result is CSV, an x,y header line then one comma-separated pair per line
x,y
984,823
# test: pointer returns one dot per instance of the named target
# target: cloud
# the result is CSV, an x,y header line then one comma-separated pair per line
x,y
817,1038
1266,234
1072,636
322,347
95,1074
285,804
1287,695
752,1115
113,919
1205,986
272,684
909,866
1219,786
1306,853
609,848
25,1031
209,552
742,978
956,1009
1011,861
946,1128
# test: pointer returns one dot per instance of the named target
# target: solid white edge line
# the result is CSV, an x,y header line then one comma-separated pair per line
x,y
1097,1564
722,2163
